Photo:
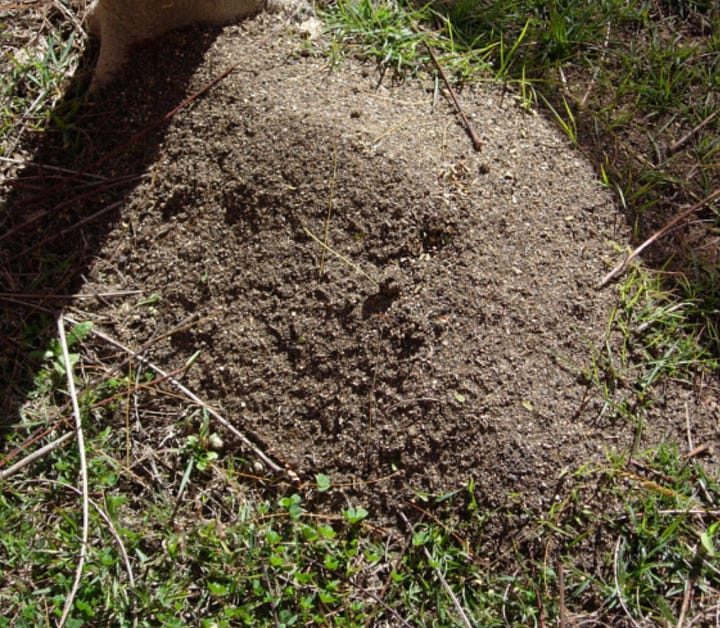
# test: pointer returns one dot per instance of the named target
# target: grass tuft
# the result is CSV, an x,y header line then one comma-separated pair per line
x,y
37,67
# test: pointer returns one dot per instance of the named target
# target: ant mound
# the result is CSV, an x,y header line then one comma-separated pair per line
x,y
367,295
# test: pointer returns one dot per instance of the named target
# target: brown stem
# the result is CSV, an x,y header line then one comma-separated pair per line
x,y
477,143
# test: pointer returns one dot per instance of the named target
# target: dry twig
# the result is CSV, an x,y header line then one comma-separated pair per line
x,y
657,235
476,141
83,472
58,442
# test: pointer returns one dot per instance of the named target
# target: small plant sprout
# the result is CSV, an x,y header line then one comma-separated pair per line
x,y
355,515
322,482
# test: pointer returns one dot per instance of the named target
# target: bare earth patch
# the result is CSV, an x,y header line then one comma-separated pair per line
x,y
444,336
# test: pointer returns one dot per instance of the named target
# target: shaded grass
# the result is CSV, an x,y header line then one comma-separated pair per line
x,y
37,64
211,542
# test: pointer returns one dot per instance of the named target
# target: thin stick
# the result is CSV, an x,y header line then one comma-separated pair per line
x,y
190,395
83,473
58,442
118,540
476,141
657,235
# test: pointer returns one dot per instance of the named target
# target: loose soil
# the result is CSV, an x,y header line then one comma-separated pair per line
x,y
442,332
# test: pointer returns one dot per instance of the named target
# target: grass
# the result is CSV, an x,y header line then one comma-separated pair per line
x,y
174,550
35,82
191,536
656,333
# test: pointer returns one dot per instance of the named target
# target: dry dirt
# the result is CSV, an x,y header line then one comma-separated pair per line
x,y
442,334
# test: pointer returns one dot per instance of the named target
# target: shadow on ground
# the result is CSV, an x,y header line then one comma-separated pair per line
x,y
63,203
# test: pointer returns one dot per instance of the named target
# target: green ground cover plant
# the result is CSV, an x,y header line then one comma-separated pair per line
x,y
636,86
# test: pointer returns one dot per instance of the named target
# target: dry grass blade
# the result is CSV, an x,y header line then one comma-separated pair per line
x,y
449,591
83,472
443,581
331,207
689,586
340,256
561,595
400,621
616,579
113,531
593,80
394,570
